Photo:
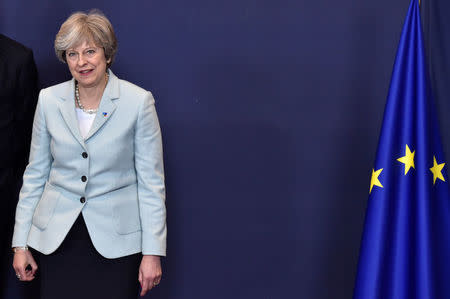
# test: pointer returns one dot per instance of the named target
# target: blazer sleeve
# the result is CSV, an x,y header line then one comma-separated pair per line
x,y
35,176
150,179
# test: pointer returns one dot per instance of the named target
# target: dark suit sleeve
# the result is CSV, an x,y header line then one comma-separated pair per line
x,y
24,106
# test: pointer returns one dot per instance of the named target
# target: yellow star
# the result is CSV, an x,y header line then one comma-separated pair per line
x,y
407,159
436,170
374,180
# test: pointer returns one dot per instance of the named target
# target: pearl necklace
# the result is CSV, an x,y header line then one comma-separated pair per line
x,y
77,98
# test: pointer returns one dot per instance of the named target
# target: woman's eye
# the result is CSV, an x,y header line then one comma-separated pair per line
x,y
71,54
91,52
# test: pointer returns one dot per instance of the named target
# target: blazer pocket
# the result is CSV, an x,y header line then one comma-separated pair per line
x,y
125,211
46,206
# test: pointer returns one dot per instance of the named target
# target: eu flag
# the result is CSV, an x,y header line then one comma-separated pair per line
x,y
405,249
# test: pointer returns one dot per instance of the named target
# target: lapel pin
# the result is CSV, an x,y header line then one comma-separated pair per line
x,y
105,114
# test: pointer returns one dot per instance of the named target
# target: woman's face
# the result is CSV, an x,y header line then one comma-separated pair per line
x,y
87,64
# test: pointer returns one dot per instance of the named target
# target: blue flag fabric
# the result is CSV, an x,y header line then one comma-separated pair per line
x,y
405,249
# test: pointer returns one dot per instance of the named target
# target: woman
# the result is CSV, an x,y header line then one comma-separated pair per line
x,y
92,201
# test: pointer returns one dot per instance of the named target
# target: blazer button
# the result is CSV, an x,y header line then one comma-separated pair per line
x,y
82,200
83,178
84,155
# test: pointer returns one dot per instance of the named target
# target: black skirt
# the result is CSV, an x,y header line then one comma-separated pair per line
x,y
76,270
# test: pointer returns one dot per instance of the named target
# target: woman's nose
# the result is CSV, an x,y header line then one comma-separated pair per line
x,y
81,60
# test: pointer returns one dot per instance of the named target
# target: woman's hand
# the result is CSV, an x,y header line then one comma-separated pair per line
x,y
23,258
149,272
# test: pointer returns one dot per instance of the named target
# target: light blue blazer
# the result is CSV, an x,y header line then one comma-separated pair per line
x,y
120,176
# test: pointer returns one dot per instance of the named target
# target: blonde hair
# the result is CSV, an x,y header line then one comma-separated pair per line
x,y
91,27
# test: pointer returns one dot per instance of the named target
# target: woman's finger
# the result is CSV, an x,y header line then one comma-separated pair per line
x,y
21,273
140,278
144,287
28,273
33,270
34,267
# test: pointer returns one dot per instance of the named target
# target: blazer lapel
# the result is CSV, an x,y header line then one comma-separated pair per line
x,y
107,106
67,109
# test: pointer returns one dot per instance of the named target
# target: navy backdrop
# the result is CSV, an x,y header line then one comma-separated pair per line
x,y
436,22
270,112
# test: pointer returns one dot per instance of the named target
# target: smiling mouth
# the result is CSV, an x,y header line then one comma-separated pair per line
x,y
85,72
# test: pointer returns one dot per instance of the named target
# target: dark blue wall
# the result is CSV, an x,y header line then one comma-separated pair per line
x,y
270,111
